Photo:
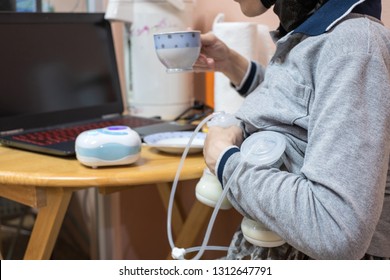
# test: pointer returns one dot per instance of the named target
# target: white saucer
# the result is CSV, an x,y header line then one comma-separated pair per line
x,y
175,142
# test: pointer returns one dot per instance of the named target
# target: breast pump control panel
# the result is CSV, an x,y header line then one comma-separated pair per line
x,y
265,148
113,145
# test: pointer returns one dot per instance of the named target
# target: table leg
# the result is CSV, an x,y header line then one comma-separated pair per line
x,y
164,190
48,224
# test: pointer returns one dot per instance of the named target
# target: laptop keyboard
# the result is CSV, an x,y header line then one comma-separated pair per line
x,y
55,136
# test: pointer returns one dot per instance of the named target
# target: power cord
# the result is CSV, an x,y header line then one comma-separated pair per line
x,y
197,111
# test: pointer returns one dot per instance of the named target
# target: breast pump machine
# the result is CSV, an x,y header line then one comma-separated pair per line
x,y
265,148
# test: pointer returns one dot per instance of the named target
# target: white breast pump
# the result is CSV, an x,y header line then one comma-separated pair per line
x,y
265,148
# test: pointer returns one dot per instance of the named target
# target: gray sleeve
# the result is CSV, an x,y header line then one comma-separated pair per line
x,y
253,78
330,209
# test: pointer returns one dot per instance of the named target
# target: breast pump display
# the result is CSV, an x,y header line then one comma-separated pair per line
x,y
265,148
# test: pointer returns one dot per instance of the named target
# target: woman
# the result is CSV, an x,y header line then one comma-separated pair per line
x,y
327,90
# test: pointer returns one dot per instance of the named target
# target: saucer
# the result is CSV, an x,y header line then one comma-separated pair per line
x,y
175,142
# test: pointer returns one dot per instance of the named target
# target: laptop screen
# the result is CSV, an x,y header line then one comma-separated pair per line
x,y
56,68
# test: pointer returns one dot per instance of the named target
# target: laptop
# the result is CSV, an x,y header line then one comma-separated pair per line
x,y
58,76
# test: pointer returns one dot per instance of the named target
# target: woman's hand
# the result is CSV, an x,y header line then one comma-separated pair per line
x,y
217,140
215,55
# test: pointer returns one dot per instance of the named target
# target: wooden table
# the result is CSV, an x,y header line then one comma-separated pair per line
x,y
47,183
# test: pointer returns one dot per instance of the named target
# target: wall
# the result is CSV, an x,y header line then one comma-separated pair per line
x,y
69,5
206,10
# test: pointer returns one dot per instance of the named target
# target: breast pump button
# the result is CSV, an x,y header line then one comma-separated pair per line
x,y
116,130
117,127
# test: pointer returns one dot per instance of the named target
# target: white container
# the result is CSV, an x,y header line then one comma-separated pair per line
x,y
208,191
257,234
151,91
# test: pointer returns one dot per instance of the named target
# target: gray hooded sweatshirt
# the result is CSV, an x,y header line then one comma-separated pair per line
x,y
329,95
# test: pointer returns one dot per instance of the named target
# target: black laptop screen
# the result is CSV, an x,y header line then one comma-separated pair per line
x,y
56,68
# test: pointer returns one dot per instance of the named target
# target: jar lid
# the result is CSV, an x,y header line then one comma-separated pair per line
x,y
264,148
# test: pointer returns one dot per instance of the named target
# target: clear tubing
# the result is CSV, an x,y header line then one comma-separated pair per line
x,y
204,246
214,248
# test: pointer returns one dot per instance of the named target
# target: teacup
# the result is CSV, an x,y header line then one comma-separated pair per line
x,y
177,50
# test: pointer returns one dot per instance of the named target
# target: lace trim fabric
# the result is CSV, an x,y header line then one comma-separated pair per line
x,y
240,249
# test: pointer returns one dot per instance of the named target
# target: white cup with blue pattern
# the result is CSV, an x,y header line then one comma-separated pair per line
x,y
178,50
